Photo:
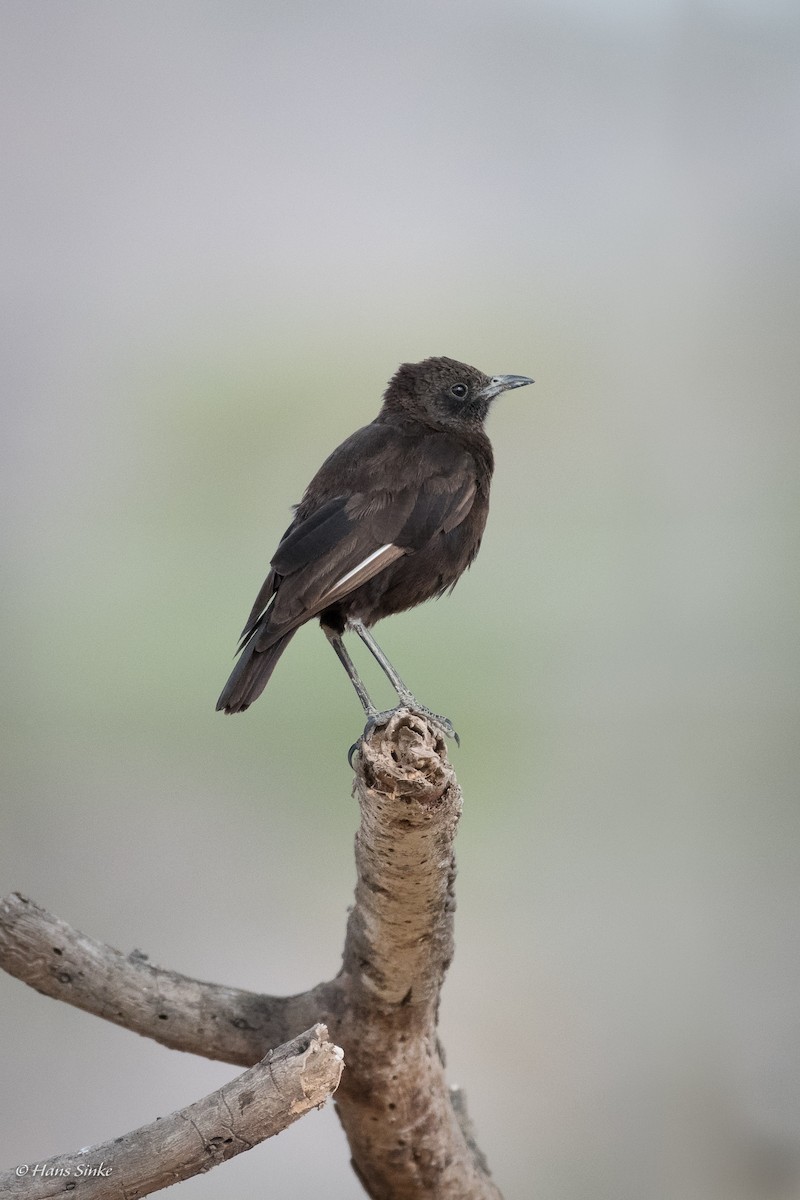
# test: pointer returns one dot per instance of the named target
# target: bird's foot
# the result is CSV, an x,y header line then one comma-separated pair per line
x,y
443,724
374,721
377,719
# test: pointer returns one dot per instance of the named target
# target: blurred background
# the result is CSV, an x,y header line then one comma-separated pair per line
x,y
224,226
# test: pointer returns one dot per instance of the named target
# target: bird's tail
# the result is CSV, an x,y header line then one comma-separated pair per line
x,y
251,674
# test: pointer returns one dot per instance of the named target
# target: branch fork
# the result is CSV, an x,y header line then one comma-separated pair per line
x,y
409,1134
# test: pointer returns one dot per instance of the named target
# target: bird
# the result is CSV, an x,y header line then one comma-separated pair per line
x,y
392,518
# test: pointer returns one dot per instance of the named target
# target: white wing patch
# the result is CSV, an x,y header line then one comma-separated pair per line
x,y
363,565
366,569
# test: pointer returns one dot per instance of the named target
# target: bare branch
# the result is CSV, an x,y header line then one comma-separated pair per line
x,y
409,1135
406,1138
217,1022
287,1083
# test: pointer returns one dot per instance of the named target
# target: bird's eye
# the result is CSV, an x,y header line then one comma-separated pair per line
x,y
459,389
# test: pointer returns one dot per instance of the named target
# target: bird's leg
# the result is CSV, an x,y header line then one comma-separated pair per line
x,y
373,716
335,640
407,699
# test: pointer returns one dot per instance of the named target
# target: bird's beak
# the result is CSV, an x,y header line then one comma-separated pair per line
x,y
503,383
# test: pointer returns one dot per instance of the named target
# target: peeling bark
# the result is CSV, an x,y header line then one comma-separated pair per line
x,y
409,1135
288,1082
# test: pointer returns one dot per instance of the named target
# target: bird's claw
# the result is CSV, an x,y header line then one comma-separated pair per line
x,y
443,724
373,722
376,720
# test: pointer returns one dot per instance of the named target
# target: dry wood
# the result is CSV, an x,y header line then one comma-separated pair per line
x,y
409,1134
257,1104
405,1135
208,1019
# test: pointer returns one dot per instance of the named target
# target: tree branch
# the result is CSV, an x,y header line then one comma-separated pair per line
x,y
217,1022
409,1136
287,1083
406,1137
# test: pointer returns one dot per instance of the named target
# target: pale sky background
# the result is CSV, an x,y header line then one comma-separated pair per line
x,y
223,227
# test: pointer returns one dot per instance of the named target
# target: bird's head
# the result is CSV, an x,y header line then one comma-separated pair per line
x,y
446,393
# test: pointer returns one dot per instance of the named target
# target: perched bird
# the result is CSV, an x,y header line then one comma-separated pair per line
x,y
392,518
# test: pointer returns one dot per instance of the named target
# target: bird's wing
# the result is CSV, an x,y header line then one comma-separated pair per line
x,y
439,506
302,542
394,509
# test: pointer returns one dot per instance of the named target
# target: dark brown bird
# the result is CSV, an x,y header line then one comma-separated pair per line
x,y
392,518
